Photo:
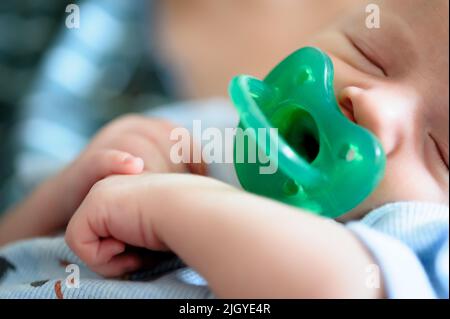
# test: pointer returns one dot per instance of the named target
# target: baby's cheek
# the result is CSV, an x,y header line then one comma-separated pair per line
x,y
405,179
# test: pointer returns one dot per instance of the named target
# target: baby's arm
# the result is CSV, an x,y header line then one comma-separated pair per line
x,y
128,145
52,204
244,245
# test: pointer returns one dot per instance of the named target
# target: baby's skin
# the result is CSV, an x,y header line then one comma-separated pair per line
x,y
129,145
392,80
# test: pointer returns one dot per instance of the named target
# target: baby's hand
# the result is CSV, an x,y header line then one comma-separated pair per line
x,y
92,166
51,205
110,218
135,211
149,139
129,145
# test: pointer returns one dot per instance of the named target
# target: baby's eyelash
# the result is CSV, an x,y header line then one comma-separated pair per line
x,y
366,56
438,150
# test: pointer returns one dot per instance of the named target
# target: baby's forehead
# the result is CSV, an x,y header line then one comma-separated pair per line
x,y
426,21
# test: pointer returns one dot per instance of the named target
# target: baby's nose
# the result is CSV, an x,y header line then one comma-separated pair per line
x,y
385,115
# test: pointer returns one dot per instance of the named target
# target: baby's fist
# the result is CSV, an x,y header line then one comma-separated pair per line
x,y
109,219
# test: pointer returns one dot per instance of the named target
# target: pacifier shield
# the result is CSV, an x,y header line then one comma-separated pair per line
x,y
325,163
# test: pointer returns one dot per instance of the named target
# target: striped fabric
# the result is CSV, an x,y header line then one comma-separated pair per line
x,y
408,240
410,243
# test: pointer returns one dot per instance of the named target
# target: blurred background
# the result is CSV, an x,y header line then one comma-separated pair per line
x,y
58,86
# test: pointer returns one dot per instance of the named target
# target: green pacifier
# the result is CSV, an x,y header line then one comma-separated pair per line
x,y
325,163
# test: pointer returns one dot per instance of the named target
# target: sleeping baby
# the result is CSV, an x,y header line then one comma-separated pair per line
x,y
124,191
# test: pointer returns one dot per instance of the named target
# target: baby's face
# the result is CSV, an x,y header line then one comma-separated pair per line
x,y
394,81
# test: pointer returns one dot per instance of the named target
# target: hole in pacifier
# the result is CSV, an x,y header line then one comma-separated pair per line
x,y
299,130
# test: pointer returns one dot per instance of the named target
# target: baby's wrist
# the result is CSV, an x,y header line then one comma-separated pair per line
x,y
58,192
63,194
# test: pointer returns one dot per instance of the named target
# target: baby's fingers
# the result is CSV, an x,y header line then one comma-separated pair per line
x,y
119,265
92,236
94,166
109,162
104,255
90,239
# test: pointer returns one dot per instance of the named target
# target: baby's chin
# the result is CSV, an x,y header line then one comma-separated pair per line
x,y
355,214
370,203
388,192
